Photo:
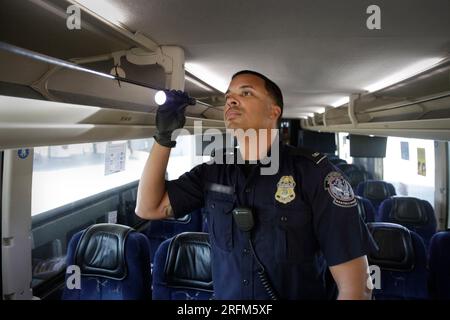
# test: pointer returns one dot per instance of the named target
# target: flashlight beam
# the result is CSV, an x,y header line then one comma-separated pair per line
x,y
44,58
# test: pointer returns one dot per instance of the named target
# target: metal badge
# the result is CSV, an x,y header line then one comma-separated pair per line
x,y
285,191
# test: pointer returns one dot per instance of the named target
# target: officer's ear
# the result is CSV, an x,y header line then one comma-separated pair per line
x,y
275,111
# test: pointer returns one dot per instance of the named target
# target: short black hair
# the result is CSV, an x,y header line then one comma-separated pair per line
x,y
271,87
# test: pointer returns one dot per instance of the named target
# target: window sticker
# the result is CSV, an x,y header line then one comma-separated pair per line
x,y
421,162
115,156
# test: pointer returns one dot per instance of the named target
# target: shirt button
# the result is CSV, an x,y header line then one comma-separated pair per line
x,y
213,206
246,251
245,282
284,218
248,190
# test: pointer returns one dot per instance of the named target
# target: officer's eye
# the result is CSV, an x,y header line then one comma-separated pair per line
x,y
246,93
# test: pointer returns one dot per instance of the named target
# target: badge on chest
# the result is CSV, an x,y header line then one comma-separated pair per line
x,y
285,189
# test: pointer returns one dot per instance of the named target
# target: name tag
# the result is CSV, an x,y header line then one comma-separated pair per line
x,y
221,188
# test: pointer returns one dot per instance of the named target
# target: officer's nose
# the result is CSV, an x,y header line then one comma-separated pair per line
x,y
231,101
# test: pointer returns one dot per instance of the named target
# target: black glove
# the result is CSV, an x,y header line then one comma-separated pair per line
x,y
169,117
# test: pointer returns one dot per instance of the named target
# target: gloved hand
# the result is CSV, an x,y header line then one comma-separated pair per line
x,y
169,117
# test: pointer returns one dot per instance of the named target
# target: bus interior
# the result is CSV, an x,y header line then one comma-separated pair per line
x,y
366,83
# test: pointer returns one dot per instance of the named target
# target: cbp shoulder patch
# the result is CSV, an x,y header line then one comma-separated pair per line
x,y
340,190
285,189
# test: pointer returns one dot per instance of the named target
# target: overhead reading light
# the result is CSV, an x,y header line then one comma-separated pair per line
x,y
206,76
406,73
104,9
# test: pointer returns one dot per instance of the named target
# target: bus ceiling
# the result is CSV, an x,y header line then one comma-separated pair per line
x,y
348,88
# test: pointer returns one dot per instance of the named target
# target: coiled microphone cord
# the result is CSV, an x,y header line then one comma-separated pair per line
x,y
263,276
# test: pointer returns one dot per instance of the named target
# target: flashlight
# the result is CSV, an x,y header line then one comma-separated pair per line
x,y
172,97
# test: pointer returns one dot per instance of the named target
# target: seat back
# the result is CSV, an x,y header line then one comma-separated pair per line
x,y
354,174
415,214
114,264
355,177
182,268
160,230
439,266
376,191
365,209
401,258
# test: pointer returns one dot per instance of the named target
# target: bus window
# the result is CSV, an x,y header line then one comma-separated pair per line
x,y
183,157
65,174
344,147
409,166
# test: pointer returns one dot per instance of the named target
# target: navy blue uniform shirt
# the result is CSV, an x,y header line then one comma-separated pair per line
x,y
304,213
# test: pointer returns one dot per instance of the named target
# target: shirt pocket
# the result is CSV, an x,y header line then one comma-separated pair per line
x,y
295,237
220,219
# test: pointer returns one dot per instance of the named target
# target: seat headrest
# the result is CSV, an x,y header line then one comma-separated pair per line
x,y
188,263
376,190
356,176
409,211
101,251
395,248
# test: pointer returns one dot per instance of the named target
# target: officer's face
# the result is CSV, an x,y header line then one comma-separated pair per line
x,y
249,105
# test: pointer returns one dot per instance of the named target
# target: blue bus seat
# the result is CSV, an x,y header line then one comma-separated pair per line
x,y
182,268
114,262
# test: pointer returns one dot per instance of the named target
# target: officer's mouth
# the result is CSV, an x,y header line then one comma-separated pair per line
x,y
231,114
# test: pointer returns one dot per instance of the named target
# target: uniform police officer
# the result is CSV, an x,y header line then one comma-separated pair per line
x,y
271,234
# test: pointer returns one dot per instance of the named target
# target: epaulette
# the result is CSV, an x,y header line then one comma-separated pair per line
x,y
223,152
314,156
226,156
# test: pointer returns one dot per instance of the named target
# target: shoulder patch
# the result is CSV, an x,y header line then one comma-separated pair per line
x,y
314,156
340,190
